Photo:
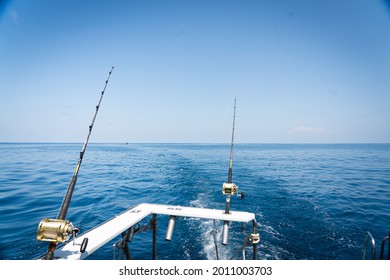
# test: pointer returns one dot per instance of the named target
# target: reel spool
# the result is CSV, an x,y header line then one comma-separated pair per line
x,y
231,189
54,230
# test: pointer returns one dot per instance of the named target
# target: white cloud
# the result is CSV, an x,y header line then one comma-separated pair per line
x,y
307,129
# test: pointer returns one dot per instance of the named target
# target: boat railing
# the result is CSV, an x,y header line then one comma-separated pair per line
x,y
382,252
369,240
128,223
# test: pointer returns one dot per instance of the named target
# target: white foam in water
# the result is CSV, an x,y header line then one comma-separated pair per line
x,y
206,227
207,239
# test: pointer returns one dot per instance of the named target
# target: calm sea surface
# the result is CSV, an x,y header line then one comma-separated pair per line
x,y
311,201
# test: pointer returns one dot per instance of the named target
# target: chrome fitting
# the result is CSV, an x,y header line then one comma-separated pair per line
x,y
255,238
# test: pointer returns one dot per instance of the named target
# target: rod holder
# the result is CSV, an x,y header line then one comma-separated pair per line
x,y
225,233
171,225
131,234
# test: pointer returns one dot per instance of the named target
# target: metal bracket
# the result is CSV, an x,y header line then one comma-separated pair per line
x,y
84,243
254,238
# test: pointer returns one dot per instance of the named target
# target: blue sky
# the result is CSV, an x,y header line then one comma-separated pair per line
x,y
302,71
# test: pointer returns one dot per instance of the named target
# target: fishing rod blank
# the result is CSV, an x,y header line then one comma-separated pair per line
x,y
230,188
230,174
68,196
59,230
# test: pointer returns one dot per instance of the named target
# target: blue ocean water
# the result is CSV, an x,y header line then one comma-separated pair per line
x,y
311,201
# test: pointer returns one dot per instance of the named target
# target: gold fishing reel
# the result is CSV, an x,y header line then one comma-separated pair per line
x,y
232,189
55,230
229,188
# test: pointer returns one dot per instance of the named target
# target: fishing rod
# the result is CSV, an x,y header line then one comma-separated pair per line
x,y
230,174
60,230
229,188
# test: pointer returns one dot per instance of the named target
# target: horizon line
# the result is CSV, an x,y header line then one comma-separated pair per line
x,y
198,143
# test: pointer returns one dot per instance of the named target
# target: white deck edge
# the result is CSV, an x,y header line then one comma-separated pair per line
x,y
102,234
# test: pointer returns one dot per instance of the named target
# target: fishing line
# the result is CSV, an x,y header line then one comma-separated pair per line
x,y
358,117
216,131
